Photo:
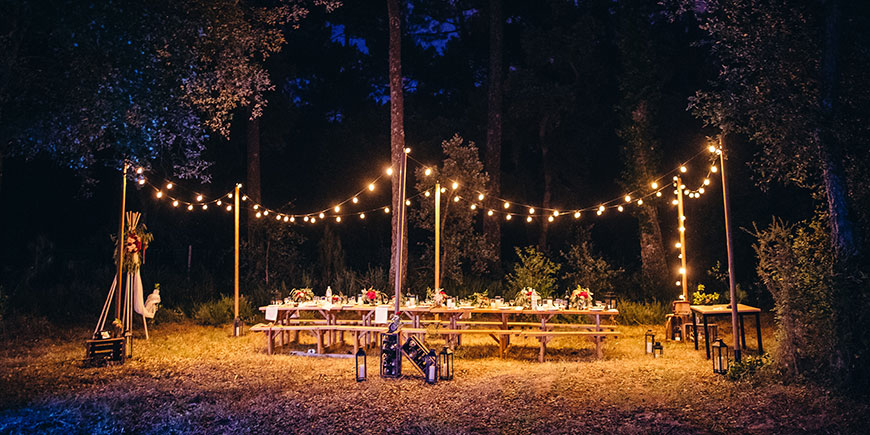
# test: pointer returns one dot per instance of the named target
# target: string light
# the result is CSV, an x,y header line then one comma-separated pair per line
x,y
678,245
507,205
338,218
205,206
389,171
443,189
386,209
141,181
556,213
658,194
529,219
321,215
256,206
456,199
640,202
576,215
701,190
199,198
655,185
474,206
714,169
675,202
337,208
362,215
189,207
531,211
371,187
427,172
549,218
259,214
627,198
683,169
306,219
407,150
682,271
508,217
286,218
355,200
706,181
175,203
230,195
480,197
159,194
712,148
426,194
489,213
455,185
407,202
219,202
313,220
620,208
266,213
169,186
229,208
139,170
292,218
278,217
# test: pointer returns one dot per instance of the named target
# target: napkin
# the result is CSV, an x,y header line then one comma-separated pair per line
x,y
271,313
381,314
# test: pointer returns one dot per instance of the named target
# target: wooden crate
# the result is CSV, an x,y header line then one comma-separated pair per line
x,y
105,350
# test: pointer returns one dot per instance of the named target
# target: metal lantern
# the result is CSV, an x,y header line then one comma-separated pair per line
x,y
657,350
720,357
446,369
678,334
238,327
649,339
361,366
431,367
610,300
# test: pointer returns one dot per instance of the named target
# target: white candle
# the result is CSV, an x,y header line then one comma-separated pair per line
x,y
432,372
362,371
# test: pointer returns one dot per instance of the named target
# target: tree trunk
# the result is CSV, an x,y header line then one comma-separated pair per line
x,y
652,253
252,188
548,183
397,141
492,226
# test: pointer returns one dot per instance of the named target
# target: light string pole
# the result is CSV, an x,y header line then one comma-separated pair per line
x,y
731,281
681,226
237,323
121,240
437,236
400,228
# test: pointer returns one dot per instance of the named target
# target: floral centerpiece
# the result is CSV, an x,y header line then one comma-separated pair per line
x,y
437,296
136,240
373,297
581,297
524,297
301,294
480,299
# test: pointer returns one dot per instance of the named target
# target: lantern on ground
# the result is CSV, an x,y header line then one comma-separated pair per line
x,y
431,366
657,350
720,357
678,333
446,369
610,300
649,339
361,367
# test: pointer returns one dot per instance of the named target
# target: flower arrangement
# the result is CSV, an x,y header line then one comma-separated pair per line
x,y
524,297
581,297
301,294
480,299
437,296
136,240
373,297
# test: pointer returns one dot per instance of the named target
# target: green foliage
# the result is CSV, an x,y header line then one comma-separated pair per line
x,y
588,269
795,264
534,270
220,312
168,315
701,297
748,366
642,313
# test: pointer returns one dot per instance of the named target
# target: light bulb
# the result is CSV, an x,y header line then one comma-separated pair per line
x,y
443,189
407,202
230,195
256,206
292,218
205,206
679,283
259,214
199,197
676,178
507,205
313,220
556,213
683,169
337,208
286,218
169,185
701,190
480,197
675,202
620,208
389,171
639,202
678,245
529,219
278,217
474,206
189,207
706,181
407,150
655,185
682,186
355,200
338,218
266,213
426,194
141,181
306,219
159,194
371,186
427,172
682,229
711,148
601,208
229,208
599,212
386,209
219,202
576,215
244,197
658,194
531,210
682,271
508,217
320,215
549,218
455,185
627,198
489,213
175,203
714,169
139,170
680,256
455,199
362,215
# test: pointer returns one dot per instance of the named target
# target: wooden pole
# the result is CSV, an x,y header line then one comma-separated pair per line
x,y
121,241
732,282
437,236
681,225
236,324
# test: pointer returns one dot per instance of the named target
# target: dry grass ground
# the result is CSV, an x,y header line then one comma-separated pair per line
x,y
189,378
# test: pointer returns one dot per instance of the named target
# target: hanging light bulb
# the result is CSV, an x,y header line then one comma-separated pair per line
x,y
706,181
711,148
292,218
627,198
371,186
620,208
658,194
456,199
680,256
683,169
443,189
159,194
556,213
199,198
229,208
426,194
675,202
714,169
386,209
473,206
428,172
507,205
407,202
175,203
701,190
139,170
205,206
682,271
256,206
640,202
489,213
278,217
321,215
189,207
480,197
601,208
338,218
266,213
531,210
169,186
678,245
655,185
141,181
230,195
306,219
389,171
599,212
682,229
508,217
676,178
550,219
679,283
576,215
354,200
219,202
313,220
529,219
407,150
286,218
244,197
337,208
455,185
362,215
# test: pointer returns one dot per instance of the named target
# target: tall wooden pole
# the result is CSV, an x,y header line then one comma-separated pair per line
x,y
681,225
732,282
400,221
437,236
121,242
236,322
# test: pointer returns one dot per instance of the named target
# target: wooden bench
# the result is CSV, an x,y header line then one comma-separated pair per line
x,y
545,336
273,330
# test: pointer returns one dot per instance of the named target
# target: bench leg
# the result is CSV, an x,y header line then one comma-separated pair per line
x,y
296,337
543,349
319,335
598,346
355,342
269,338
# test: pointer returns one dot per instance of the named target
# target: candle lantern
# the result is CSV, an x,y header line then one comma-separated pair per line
x,y
678,333
610,300
720,357
649,339
446,369
361,367
657,350
431,366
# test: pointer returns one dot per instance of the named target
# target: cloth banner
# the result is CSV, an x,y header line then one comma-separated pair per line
x,y
147,307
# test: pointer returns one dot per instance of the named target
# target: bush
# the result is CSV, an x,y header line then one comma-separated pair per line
x,y
220,312
747,366
534,270
642,313
168,315
588,269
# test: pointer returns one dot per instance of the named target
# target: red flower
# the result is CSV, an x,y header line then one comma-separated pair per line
x,y
371,295
584,294
335,299
529,293
299,294
443,293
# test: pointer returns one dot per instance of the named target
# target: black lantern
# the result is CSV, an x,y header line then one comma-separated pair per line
x,y
238,327
431,366
610,300
657,350
361,366
446,369
678,333
649,339
720,357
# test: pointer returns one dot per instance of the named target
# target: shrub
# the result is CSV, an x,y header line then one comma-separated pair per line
x,y
534,270
587,269
168,315
220,312
642,313
747,366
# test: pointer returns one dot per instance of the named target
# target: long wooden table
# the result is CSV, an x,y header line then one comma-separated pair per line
x,y
453,317
706,311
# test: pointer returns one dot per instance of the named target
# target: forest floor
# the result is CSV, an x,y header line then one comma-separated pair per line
x,y
196,379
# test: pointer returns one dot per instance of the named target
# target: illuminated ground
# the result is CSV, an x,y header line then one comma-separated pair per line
x,y
190,378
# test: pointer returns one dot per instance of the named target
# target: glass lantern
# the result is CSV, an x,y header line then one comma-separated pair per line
x,y
446,360
431,366
649,339
657,350
361,367
720,357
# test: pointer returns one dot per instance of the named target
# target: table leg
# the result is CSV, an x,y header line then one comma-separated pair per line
x,y
706,335
269,339
695,328
742,333
598,337
758,333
